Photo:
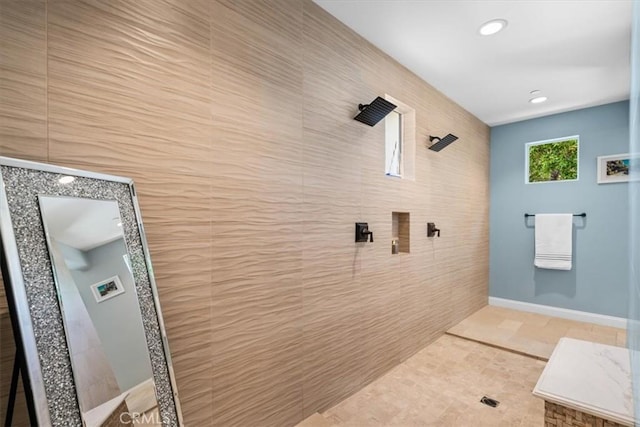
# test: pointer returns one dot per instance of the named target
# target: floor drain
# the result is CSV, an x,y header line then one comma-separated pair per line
x,y
489,401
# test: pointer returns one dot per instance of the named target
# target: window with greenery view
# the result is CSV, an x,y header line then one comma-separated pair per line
x,y
555,160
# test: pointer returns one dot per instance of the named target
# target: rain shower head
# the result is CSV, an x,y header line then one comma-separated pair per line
x,y
441,142
371,114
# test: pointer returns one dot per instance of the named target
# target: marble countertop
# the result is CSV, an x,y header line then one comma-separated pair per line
x,y
589,377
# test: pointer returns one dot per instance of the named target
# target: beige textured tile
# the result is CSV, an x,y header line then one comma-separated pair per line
x,y
581,334
176,208
195,385
23,80
530,333
256,196
439,387
235,120
604,330
326,354
511,325
128,85
529,318
535,333
315,420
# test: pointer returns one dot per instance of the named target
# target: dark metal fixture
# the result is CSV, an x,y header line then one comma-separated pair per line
x,y
489,401
583,215
440,143
362,232
432,230
370,114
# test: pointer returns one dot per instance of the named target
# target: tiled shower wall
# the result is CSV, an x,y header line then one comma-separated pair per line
x,y
235,120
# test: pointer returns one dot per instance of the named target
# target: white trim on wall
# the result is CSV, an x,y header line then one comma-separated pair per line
x,y
565,313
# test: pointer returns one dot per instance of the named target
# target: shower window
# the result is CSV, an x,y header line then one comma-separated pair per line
x,y
393,144
552,160
400,141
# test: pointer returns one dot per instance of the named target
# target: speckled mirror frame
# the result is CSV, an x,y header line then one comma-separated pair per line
x,y
33,292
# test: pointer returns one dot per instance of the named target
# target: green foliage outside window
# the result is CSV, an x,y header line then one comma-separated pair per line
x,y
555,161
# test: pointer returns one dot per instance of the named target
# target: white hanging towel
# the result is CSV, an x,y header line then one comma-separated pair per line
x,y
553,241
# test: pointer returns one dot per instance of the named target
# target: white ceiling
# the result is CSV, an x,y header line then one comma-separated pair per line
x,y
83,224
576,52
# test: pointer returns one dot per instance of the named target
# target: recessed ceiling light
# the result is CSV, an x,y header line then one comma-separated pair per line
x,y
492,27
66,180
538,100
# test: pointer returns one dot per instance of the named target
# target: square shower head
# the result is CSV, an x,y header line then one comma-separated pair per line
x,y
372,113
441,142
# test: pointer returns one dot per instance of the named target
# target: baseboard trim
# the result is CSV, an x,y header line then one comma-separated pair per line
x,y
565,313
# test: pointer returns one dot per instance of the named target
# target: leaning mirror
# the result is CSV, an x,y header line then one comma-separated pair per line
x,y
91,342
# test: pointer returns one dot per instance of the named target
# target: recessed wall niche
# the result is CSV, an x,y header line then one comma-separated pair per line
x,y
400,232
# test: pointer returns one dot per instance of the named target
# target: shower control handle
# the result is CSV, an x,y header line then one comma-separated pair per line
x,y
363,234
432,230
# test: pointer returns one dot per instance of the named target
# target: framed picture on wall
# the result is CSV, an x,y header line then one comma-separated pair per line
x,y
618,168
107,289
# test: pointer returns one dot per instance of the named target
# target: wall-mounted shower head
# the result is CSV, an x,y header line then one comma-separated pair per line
x,y
440,143
370,114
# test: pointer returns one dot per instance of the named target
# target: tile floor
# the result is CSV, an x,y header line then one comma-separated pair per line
x,y
442,384
528,333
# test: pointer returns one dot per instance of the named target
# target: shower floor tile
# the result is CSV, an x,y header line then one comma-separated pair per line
x,y
442,386
532,334
495,352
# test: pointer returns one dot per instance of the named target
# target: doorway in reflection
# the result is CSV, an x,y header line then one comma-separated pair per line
x,y
101,312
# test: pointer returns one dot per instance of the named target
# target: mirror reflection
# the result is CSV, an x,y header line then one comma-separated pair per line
x,y
103,323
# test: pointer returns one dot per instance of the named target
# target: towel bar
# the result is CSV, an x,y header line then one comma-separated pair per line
x,y
583,215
